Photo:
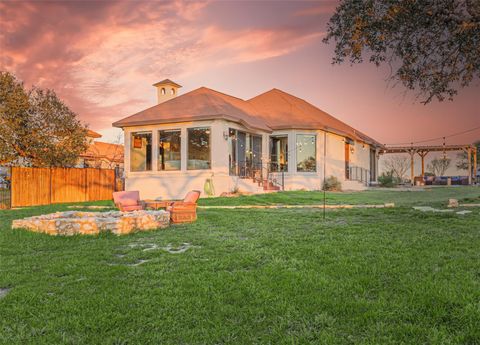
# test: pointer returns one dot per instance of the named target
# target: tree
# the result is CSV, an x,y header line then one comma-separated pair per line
x,y
462,162
36,127
397,165
433,45
438,166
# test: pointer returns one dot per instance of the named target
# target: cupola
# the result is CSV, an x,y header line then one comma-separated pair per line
x,y
166,90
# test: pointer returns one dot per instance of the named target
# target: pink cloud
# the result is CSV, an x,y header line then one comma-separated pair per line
x,y
102,57
326,7
254,44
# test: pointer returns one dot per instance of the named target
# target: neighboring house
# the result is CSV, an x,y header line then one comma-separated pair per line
x,y
217,143
100,154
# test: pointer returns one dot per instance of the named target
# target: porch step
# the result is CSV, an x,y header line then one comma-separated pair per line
x,y
256,186
270,187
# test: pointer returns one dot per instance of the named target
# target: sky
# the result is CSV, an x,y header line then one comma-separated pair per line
x,y
102,57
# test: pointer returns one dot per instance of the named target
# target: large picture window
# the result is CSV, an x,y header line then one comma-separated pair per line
x,y
199,156
306,153
141,151
169,146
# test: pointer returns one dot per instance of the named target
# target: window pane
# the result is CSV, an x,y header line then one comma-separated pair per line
x,y
141,151
232,150
279,153
169,150
306,153
198,148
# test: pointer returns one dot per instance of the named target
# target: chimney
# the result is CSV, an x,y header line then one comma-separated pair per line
x,y
166,90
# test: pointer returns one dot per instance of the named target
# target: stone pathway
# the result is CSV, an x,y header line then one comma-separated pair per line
x,y
122,259
4,292
177,250
430,209
437,210
387,205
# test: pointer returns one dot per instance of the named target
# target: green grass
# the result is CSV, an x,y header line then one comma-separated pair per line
x,y
283,276
432,196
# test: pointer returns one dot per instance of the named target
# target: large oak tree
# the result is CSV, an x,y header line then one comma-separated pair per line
x,y
36,127
432,46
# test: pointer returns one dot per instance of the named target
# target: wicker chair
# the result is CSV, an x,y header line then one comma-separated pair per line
x,y
185,211
128,201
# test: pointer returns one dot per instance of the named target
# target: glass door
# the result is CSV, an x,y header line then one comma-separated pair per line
x,y
279,153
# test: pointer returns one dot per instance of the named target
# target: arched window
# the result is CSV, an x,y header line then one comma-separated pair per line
x,y
172,91
163,91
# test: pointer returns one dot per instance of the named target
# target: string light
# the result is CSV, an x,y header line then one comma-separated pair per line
x,y
438,138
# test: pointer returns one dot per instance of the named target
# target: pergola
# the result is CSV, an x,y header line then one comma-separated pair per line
x,y
422,151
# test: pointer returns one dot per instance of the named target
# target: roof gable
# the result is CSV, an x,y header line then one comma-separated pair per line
x,y
281,110
272,110
200,104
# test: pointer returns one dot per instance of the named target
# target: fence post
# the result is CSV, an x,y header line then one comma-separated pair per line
x,y
51,186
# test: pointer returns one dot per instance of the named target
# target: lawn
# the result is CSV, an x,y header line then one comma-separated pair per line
x,y
245,276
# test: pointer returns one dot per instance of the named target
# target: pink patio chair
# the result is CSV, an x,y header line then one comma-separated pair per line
x,y
128,201
191,198
184,211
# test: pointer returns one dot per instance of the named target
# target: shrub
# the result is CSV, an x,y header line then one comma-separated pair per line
x,y
387,180
331,183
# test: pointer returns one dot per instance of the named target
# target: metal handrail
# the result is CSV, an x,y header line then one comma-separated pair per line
x,y
261,173
360,174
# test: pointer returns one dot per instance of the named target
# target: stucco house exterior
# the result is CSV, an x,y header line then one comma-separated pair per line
x,y
217,143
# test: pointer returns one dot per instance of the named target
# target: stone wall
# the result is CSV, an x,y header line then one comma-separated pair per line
x,y
92,223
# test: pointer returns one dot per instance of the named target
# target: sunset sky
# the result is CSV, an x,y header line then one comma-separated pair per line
x,y
103,57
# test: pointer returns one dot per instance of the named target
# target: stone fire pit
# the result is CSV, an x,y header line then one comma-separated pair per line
x,y
91,223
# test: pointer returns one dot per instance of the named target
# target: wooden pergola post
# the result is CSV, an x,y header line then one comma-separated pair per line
x,y
469,159
425,149
412,166
475,164
422,154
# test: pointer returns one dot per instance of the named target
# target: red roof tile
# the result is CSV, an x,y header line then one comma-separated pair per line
x,y
99,149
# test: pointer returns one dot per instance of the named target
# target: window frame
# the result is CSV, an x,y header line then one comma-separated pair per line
x,y
314,135
287,153
132,134
179,130
209,128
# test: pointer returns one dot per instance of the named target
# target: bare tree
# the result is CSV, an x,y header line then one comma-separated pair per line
x,y
438,166
398,165
462,162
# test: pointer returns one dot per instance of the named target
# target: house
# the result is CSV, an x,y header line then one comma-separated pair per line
x,y
217,143
100,154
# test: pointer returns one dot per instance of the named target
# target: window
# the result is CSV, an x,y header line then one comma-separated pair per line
x,y
162,91
169,150
172,91
198,148
141,151
279,153
306,153
232,151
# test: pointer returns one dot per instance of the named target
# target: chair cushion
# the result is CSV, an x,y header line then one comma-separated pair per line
x,y
192,196
132,208
127,198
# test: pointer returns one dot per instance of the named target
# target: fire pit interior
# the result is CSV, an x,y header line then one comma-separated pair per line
x,y
91,223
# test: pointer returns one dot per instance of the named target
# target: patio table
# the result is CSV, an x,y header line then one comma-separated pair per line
x,y
156,204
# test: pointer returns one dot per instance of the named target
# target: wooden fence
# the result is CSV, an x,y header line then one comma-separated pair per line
x,y
44,186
